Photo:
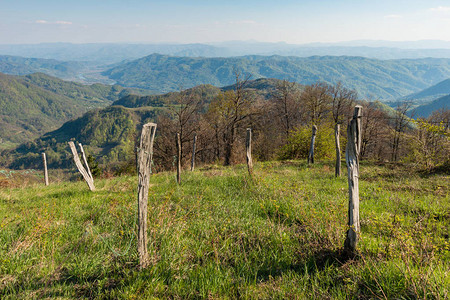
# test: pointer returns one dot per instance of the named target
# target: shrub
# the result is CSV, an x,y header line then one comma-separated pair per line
x,y
299,140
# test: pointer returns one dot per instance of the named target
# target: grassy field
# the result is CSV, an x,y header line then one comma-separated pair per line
x,y
221,234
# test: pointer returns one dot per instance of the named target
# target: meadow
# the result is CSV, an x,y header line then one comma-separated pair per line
x,y
222,234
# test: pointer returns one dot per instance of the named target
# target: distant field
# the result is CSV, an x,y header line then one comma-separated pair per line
x,y
221,234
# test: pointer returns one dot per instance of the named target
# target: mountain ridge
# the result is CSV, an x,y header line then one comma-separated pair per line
x,y
371,78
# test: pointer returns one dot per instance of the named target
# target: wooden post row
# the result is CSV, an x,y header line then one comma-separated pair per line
x,y
352,159
248,146
86,174
311,148
144,160
44,159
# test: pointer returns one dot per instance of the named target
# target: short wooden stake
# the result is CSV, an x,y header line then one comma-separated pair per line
x,y
89,180
338,150
44,159
144,159
311,148
193,153
248,146
352,159
178,142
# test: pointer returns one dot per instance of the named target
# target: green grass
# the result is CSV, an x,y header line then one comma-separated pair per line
x,y
221,234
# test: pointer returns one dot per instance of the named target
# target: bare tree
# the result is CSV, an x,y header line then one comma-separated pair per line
x,y
342,100
401,122
286,104
230,110
316,100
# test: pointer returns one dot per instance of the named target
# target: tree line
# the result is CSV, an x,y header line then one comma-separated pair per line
x,y
281,122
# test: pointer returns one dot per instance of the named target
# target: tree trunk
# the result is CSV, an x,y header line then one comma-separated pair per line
x,y
338,150
178,142
193,153
89,180
144,160
44,160
311,148
352,159
248,146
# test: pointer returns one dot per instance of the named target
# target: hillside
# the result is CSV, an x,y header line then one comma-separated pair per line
x,y
382,79
16,65
426,110
222,235
431,93
34,104
109,134
263,86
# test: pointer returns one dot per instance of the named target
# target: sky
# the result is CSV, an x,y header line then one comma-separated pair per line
x,y
209,21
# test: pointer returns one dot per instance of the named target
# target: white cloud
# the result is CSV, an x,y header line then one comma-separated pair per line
x,y
393,17
56,22
440,9
63,22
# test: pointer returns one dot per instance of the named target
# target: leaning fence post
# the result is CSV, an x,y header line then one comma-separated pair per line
x,y
352,159
248,146
178,142
144,160
89,180
311,148
44,159
193,152
85,160
337,172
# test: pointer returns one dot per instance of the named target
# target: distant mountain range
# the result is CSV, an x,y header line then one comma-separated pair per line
x,y
113,53
34,104
371,78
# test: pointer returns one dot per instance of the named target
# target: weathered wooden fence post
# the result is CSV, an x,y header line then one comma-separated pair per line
x,y
248,147
338,150
311,148
85,160
144,160
44,159
352,159
178,142
193,153
88,178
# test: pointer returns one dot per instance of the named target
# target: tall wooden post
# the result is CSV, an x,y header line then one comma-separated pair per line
x,y
178,141
89,180
352,159
144,160
338,150
44,159
193,153
311,148
248,147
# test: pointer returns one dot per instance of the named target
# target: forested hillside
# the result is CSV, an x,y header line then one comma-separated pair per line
x,y
108,133
16,65
371,78
34,104
431,93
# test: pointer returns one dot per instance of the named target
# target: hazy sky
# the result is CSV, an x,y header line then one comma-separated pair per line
x,y
192,21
